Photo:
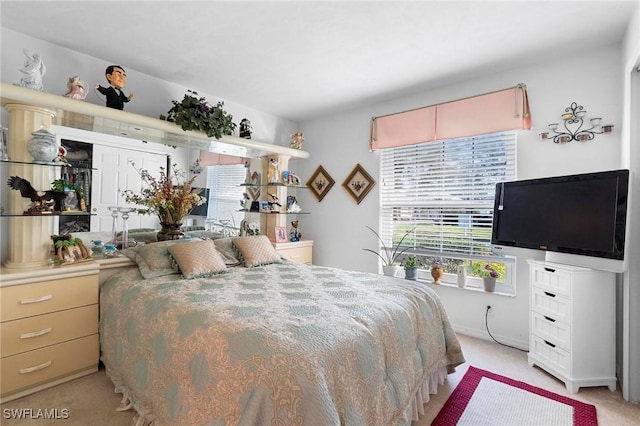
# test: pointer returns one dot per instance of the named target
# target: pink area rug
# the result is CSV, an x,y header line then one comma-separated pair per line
x,y
486,398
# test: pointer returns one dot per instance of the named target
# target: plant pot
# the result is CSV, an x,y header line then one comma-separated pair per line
x,y
489,284
390,270
411,273
170,231
437,272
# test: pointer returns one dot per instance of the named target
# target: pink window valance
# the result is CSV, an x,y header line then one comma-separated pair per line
x,y
493,112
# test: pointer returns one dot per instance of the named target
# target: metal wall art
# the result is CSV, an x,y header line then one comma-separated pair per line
x,y
573,127
320,183
358,183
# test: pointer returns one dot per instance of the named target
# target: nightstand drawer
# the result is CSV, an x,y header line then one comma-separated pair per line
x,y
556,332
298,254
44,330
35,367
551,304
552,279
22,301
553,356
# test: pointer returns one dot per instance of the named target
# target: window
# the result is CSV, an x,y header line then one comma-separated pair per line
x,y
443,192
225,193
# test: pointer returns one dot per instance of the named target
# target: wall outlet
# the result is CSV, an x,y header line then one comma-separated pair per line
x,y
489,311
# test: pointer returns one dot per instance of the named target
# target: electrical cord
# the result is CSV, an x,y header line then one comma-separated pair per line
x,y
486,324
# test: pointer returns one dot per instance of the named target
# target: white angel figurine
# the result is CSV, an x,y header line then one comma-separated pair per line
x,y
33,71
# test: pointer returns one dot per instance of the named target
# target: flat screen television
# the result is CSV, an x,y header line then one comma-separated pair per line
x,y
578,219
202,209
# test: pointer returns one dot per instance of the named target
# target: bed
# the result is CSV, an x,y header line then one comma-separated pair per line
x,y
226,332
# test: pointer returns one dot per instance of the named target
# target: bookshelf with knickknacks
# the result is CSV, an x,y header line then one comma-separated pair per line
x,y
271,194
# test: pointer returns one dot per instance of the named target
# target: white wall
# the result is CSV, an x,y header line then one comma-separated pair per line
x,y
629,296
337,224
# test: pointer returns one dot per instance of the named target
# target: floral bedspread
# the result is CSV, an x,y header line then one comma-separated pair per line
x,y
281,344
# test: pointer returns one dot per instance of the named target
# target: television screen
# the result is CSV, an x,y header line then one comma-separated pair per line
x,y
202,209
579,214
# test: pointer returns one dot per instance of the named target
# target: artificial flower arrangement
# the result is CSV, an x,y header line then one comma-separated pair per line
x,y
165,196
195,113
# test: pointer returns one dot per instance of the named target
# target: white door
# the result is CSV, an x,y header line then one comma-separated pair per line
x,y
115,171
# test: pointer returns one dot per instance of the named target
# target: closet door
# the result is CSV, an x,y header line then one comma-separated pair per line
x,y
115,173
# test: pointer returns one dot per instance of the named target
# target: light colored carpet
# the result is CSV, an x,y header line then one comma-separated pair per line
x,y
91,400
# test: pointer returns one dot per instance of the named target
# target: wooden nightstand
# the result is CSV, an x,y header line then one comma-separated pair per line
x,y
48,327
299,252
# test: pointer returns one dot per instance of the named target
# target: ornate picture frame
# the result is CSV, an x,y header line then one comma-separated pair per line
x,y
320,183
358,183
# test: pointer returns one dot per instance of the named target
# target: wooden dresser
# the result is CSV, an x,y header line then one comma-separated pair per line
x,y
48,327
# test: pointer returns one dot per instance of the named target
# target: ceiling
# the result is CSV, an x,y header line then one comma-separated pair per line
x,y
305,59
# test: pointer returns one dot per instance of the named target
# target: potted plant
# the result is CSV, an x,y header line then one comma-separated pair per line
x,y
195,113
390,255
489,276
411,266
436,270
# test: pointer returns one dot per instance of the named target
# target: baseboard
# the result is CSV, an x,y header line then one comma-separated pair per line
x,y
482,334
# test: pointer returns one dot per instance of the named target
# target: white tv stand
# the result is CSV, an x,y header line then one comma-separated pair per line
x,y
572,331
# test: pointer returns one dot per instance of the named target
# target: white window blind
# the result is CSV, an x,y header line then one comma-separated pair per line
x,y
445,190
225,192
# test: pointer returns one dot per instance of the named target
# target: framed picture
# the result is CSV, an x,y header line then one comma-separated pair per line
x,y
358,183
320,183
72,201
281,234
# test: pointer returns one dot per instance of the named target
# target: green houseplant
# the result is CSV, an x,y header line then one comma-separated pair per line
x,y
390,256
195,113
411,266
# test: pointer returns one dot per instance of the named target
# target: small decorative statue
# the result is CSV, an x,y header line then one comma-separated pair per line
x,y
117,78
296,140
33,71
76,88
273,165
292,205
245,202
62,155
245,129
294,233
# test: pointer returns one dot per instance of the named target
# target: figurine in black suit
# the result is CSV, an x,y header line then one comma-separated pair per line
x,y
117,78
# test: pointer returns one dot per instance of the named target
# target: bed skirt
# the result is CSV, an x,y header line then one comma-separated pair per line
x,y
416,409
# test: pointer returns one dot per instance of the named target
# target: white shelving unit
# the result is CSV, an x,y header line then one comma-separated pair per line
x,y
572,331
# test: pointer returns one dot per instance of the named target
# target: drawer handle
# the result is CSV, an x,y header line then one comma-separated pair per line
x,y
35,368
549,319
35,333
36,299
550,344
549,294
549,270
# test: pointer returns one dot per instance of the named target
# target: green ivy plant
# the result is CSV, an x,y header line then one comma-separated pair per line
x,y
195,113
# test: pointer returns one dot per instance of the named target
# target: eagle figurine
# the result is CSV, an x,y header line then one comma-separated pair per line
x,y
43,201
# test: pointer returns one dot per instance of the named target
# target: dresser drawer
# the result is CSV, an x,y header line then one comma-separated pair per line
x,y
550,304
552,355
43,330
297,254
41,365
556,332
20,301
552,279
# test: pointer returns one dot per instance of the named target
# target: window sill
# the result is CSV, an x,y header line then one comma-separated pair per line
x,y
498,292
